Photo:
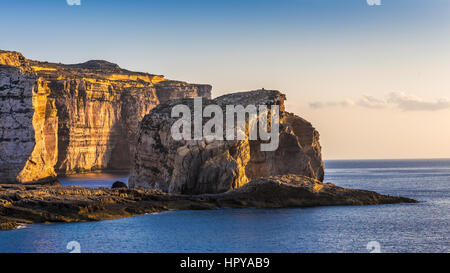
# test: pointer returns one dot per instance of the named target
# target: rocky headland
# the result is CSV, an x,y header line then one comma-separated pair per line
x,y
60,119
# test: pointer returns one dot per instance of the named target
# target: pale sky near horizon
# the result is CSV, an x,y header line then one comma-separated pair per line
x,y
374,80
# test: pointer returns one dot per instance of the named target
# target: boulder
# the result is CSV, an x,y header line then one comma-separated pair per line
x,y
119,185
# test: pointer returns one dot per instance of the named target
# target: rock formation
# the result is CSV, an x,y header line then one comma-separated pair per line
x,y
118,185
202,166
26,204
62,119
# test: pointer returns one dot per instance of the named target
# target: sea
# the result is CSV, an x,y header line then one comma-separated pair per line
x,y
398,228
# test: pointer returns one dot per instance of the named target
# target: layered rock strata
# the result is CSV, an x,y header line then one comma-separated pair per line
x,y
62,119
205,166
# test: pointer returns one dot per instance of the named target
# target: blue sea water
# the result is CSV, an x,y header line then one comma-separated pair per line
x,y
420,227
94,180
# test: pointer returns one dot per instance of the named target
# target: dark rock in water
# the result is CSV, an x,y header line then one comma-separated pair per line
x,y
119,185
300,191
6,224
40,204
55,183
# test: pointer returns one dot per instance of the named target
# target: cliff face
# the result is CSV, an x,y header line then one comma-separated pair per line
x,y
62,119
215,166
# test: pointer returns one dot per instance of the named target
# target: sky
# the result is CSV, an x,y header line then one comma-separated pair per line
x,y
373,80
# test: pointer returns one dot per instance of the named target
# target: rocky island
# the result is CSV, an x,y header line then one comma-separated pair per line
x,y
196,167
60,119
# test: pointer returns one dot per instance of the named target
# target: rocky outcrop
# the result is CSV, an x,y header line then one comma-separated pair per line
x,y
26,204
172,90
285,191
205,166
63,119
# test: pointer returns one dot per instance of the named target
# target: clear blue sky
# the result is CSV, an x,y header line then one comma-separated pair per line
x,y
328,51
160,31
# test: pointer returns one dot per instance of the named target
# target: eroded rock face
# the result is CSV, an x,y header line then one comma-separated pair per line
x,y
185,166
202,166
62,119
17,135
172,90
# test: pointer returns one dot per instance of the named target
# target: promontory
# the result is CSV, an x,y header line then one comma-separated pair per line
x,y
58,119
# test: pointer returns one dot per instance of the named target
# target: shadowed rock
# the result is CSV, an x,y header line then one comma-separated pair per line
x,y
119,185
197,167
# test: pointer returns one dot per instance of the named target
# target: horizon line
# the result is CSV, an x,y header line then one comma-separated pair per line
x,y
411,158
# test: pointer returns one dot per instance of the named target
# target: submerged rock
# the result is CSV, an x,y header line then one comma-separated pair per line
x,y
215,166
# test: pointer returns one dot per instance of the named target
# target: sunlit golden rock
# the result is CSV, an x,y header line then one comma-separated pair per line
x,y
63,119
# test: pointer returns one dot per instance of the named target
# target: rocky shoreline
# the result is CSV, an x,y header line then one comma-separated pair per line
x,y
35,203
60,119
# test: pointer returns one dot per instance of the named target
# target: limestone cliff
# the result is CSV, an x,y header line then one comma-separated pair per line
x,y
202,166
62,119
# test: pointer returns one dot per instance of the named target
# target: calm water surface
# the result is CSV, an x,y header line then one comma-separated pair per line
x,y
94,180
420,227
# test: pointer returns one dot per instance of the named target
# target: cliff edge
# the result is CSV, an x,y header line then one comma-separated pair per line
x,y
58,119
